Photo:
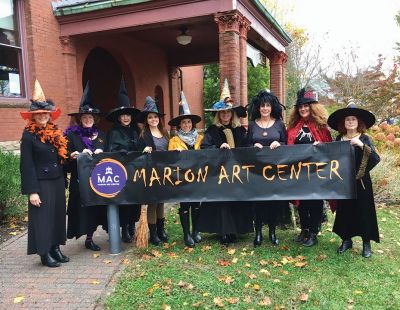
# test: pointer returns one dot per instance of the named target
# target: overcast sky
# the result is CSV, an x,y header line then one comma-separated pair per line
x,y
367,26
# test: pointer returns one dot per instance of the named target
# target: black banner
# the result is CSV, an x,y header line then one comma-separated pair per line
x,y
324,171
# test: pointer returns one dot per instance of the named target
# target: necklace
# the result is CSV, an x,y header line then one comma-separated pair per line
x,y
265,133
351,137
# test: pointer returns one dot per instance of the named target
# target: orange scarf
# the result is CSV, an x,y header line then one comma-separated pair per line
x,y
50,134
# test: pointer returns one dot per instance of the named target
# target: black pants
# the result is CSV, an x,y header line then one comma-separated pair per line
x,y
310,213
186,206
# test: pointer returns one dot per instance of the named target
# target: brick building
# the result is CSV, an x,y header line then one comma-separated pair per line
x,y
65,43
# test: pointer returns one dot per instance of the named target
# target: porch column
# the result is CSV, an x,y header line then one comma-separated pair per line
x,y
229,50
70,76
244,28
277,74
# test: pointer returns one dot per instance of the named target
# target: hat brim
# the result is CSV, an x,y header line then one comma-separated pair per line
x,y
114,114
141,117
26,115
305,101
240,111
367,117
176,121
81,113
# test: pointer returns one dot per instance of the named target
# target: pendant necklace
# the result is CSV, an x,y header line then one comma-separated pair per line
x,y
265,133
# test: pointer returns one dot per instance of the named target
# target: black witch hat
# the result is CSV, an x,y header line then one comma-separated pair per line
x,y
124,105
351,110
184,112
85,106
149,107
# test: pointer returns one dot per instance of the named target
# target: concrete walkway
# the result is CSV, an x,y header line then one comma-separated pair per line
x,y
82,283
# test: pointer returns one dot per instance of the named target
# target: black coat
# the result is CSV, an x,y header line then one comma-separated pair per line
x,y
225,217
121,138
42,173
357,217
82,220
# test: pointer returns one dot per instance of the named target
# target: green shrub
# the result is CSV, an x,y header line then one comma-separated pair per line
x,y
12,203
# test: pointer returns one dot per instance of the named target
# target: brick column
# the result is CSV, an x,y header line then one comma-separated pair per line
x,y
70,74
229,50
277,74
244,28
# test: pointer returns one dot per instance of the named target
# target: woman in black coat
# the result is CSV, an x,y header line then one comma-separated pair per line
x,y
84,137
123,137
357,217
228,219
43,151
267,129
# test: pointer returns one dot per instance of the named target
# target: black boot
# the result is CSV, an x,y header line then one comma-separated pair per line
x,y
154,240
125,236
366,252
187,238
303,236
56,253
49,261
346,244
272,235
232,238
131,230
224,239
258,229
195,217
162,235
89,244
311,241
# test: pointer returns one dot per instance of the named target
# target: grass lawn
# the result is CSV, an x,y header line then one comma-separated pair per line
x,y
287,276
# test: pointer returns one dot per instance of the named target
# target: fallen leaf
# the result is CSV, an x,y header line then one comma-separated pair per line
x,y
182,284
18,299
276,280
358,292
301,264
303,297
189,250
285,272
247,265
205,248
231,251
321,257
166,246
96,255
156,253
219,302
234,260
265,302
232,300
197,304
224,263
95,282
25,219
107,261
256,287
247,299
226,279
380,251
13,233
247,285
172,255
125,261
165,307
263,262
332,240
205,294
251,275
146,257
265,272
173,243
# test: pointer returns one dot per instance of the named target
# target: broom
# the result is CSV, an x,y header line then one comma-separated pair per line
x,y
142,233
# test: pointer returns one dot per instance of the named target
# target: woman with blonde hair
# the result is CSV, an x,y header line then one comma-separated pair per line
x,y
153,137
308,125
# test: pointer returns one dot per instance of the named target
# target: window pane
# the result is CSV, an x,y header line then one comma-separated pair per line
x,y
8,23
10,73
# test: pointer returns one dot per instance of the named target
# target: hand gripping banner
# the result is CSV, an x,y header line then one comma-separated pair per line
x,y
323,171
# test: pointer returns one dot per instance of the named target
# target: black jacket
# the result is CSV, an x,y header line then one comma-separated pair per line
x,y
146,140
122,138
214,137
39,161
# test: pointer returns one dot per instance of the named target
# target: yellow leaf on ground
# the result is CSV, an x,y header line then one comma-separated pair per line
x,y
125,261
232,300
219,302
247,299
205,294
197,304
226,279
189,250
251,275
231,251
263,262
166,307
247,265
234,260
301,264
303,297
321,257
358,292
205,248
96,255
224,263
172,255
13,233
256,287
18,299
156,253
265,272
247,285
95,282
107,261
265,302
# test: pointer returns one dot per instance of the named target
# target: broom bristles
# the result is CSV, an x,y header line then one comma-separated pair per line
x,y
142,233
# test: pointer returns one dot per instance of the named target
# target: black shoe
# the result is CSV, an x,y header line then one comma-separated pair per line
x,y
311,241
162,235
366,252
195,212
196,236
49,261
187,238
89,244
125,236
272,236
303,236
258,239
154,240
224,239
232,238
346,244
56,253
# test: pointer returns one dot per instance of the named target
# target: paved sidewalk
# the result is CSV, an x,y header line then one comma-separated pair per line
x,y
79,284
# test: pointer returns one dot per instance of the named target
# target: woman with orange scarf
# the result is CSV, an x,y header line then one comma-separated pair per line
x,y
43,151
308,124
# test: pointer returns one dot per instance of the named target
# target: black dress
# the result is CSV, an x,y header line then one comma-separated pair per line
x,y
82,220
42,173
357,217
269,212
122,138
225,217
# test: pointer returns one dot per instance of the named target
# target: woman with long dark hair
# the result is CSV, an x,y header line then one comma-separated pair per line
x,y
153,137
357,217
43,152
308,125
266,129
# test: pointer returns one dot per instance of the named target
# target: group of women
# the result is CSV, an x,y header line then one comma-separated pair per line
x,y
47,155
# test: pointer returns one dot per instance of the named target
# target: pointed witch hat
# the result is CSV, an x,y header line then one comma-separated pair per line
x,y
39,104
184,112
149,107
85,106
225,103
124,105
